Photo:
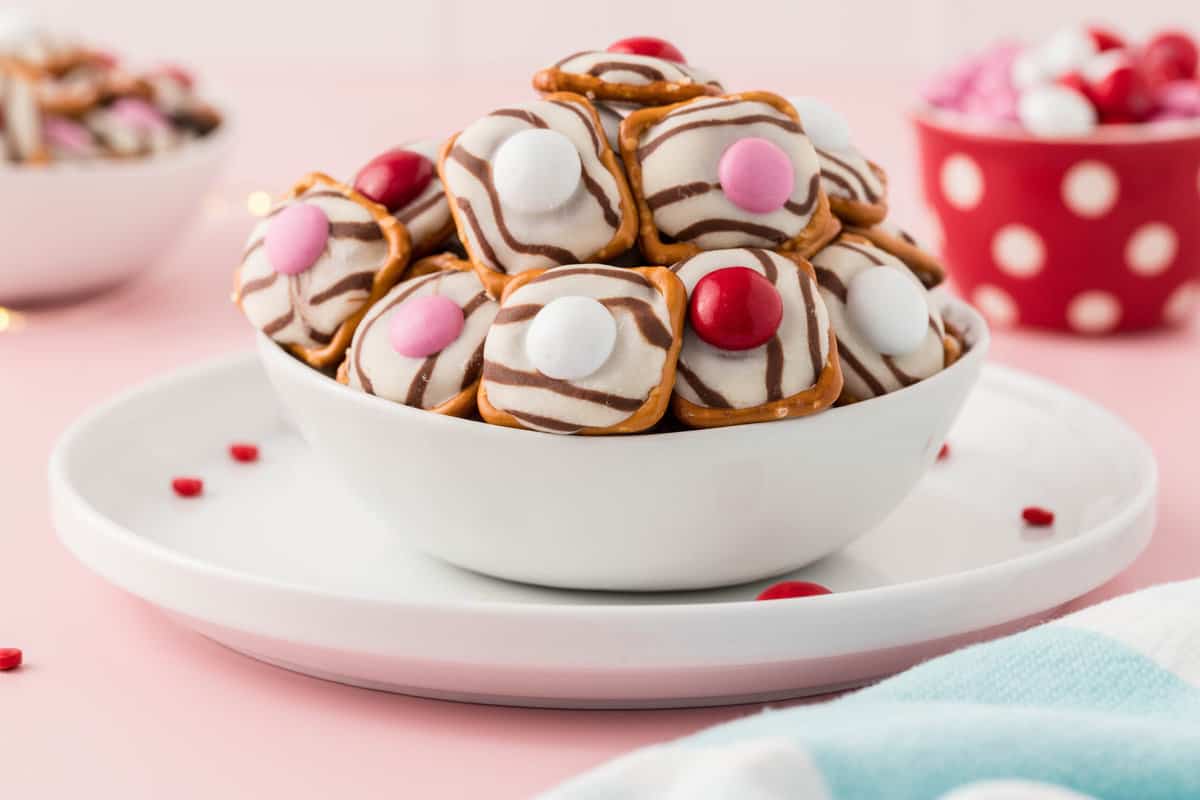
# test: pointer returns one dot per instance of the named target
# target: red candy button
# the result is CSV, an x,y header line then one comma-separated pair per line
x,y
179,75
395,178
1104,39
787,589
648,46
1117,88
1037,517
10,658
188,487
243,452
944,453
735,308
1170,56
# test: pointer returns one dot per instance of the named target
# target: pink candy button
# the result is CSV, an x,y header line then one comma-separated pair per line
x,y
425,325
68,135
137,113
756,175
295,238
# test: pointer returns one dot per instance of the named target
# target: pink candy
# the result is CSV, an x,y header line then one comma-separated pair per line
x,y
295,238
68,135
981,85
756,175
425,325
1179,99
139,114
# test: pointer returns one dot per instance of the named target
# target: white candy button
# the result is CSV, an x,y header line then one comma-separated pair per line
x,y
826,128
571,337
888,309
536,171
1067,50
1055,111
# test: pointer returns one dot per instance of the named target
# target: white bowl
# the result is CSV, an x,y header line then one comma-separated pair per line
x,y
687,510
71,229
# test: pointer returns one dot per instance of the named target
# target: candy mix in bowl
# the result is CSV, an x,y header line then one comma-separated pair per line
x,y
64,101
1066,177
636,240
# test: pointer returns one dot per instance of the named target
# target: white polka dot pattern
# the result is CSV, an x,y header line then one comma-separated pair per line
x,y
1181,303
1019,251
1090,189
962,182
1151,249
996,304
1094,312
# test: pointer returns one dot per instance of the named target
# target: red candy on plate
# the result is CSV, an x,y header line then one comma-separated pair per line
x,y
785,590
648,46
10,658
187,487
1037,517
944,453
243,452
735,308
1169,56
395,178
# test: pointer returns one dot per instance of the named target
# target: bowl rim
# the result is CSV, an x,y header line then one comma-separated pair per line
x,y
1132,135
201,150
974,326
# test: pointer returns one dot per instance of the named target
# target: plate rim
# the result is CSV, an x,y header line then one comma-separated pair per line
x,y
1138,513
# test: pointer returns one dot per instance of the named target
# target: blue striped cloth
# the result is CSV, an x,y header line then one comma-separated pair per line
x,y
1104,703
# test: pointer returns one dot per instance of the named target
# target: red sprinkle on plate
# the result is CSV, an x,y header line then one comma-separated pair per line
x,y
188,487
246,453
10,658
1037,517
788,589
944,453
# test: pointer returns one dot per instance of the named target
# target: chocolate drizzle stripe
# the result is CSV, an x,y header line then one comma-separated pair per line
x,y
510,314
904,236
839,181
474,367
416,389
774,375
862,251
413,210
646,71
852,361
812,325
595,190
676,194
489,252
366,328
549,423
828,280
253,246
770,271
474,304
279,323
587,123
480,169
709,396
356,282
259,284
571,57
619,273
903,377
521,114
698,229
646,150
810,202
362,231
648,323
870,194
499,373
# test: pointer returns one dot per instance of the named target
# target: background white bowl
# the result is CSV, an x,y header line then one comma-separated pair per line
x,y
687,510
70,229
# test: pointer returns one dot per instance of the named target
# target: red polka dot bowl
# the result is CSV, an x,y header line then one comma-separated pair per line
x,y
1092,235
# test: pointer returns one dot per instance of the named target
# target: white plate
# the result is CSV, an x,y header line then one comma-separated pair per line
x,y
276,560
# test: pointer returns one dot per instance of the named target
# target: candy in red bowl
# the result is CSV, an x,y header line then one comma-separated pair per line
x,y
1081,210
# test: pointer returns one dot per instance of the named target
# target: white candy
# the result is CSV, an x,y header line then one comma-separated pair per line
x,y
1067,50
888,309
536,171
571,338
1056,111
1029,69
826,128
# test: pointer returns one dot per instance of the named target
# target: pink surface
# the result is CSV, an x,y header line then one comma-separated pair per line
x,y
114,695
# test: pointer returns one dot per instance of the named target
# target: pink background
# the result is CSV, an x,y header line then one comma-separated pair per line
x,y
117,701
